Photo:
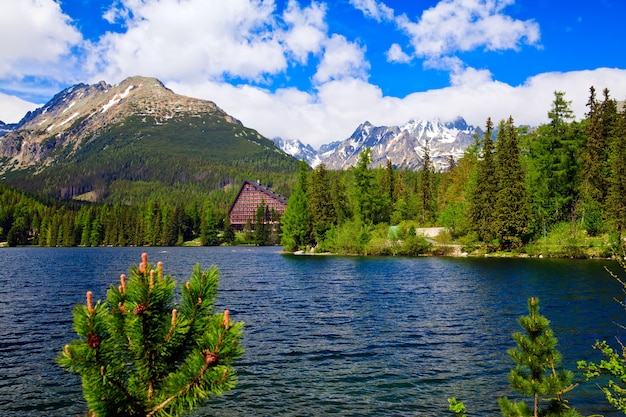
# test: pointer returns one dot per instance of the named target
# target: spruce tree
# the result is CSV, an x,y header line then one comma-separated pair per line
x,y
616,195
535,373
364,188
141,353
602,129
296,229
511,212
321,208
483,197
261,225
427,187
554,165
208,227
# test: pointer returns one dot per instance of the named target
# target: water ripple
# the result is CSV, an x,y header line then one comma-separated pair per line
x,y
323,335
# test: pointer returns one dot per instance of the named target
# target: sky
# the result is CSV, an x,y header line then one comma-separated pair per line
x,y
315,70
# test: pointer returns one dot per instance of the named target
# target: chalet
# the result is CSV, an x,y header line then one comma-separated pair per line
x,y
250,196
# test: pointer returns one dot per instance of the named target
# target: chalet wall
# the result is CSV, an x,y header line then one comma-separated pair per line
x,y
249,199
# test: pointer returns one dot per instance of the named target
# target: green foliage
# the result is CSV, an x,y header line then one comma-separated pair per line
x,y
499,196
296,222
484,190
553,163
200,153
321,209
569,240
616,203
364,188
535,373
457,407
427,188
349,238
141,353
511,211
612,366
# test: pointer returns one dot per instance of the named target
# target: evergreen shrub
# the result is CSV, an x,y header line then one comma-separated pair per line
x,y
141,353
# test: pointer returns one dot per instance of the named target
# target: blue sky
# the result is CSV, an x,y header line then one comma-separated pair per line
x,y
315,70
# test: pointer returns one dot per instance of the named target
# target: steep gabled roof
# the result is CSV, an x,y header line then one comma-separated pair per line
x,y
266,190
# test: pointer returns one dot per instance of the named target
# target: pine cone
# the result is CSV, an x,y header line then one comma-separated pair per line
x,y
210,357
93,340
139,309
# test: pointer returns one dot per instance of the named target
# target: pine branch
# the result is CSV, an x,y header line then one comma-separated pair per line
x,y
210,359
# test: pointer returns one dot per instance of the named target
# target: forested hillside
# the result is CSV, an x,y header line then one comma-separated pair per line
x,y
558,189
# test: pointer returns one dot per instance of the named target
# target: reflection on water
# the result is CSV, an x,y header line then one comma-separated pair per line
x,y
323,335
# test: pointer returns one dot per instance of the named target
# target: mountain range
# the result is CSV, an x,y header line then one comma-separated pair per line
x,y
404,145
94,138
88,138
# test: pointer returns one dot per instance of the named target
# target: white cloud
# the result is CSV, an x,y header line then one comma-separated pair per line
x,y
373,9
36,35
341,59
336,108
13,108
203,39
196,46
307,29
215,40
397,55
463,25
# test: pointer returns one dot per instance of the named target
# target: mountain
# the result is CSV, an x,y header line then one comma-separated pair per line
x,y
6,128
301,151
297,149
404,145
89,138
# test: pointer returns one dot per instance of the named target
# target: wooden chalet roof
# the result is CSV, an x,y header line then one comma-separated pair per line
x,y
270,193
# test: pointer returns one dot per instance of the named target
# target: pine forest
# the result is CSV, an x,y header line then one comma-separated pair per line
x,y
557,189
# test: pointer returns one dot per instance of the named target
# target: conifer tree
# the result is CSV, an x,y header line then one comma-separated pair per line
x,y
616,195
511,212
483,197
427,187
339,197
553,164
364,187
602,128
535,374
321,207
261,225
141,353
208,227
295,222
229,233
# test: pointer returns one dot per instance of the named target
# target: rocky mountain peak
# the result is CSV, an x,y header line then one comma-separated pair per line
x,y
403,145
81,111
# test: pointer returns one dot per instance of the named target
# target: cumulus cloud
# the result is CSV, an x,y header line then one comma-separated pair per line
x,y
13,108
307,29
454,26
373,9
397,55
205,39
36,35
341,59
336,108
198,47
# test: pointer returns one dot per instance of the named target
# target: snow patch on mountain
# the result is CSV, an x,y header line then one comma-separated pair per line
x,y
404,145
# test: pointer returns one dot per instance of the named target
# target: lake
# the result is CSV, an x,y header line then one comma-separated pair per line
x,y
346,336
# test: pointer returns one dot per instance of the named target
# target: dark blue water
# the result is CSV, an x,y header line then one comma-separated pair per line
x,y
324,335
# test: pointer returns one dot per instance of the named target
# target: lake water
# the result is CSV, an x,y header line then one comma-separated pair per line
x,y
344,336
